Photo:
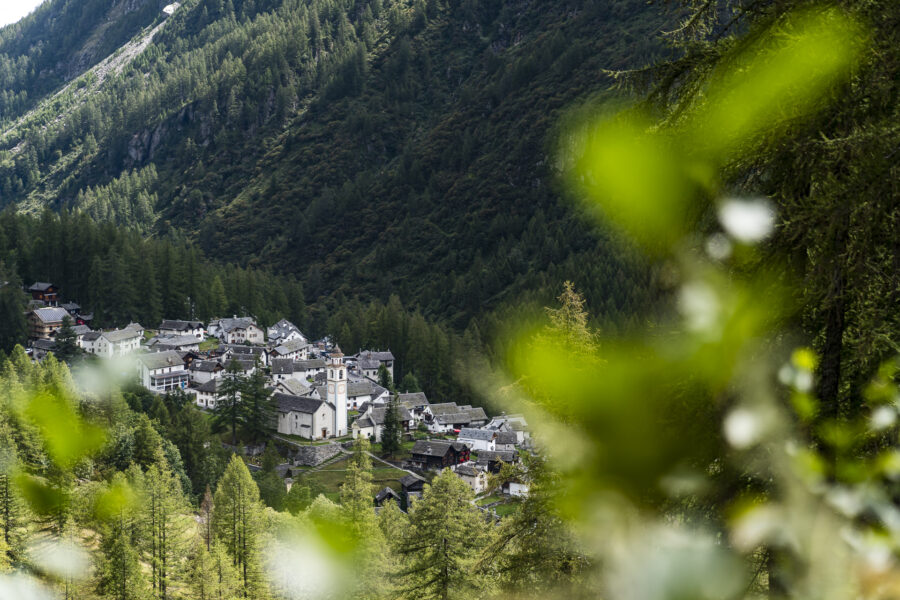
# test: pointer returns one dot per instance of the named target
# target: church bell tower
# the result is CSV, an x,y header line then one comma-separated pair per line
x,y
337,391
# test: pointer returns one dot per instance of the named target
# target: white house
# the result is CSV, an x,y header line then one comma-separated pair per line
x,y
309,418
368,362
474,478
285,331
206,394
291,349
162,371
371,424
205,370
237,330
109,344
515,488
364,391
175,327
507,441
478,439
308,369
181,343
245,353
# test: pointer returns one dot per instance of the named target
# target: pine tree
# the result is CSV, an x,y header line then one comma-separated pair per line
x,y
392,430
445,536
120,574
206,518
236,522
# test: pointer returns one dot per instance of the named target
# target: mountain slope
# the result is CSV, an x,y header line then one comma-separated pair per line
x,y
365,146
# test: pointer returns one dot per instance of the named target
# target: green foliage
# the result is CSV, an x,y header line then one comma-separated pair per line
x,y
441,546
392,430
236,520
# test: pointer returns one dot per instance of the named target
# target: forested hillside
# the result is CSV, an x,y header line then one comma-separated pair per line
x,y
366,147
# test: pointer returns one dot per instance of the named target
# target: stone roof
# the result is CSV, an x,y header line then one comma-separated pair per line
x,y
435,447
365,363
444,408
51,314
507,437
377,415
290,346
81,329
413,398
411,479
72,307
467,471
209,387
40,286
363,387
295,387
90,336
282,366
282,329
174,341
176,325
364,422
206,366
120,335
481,435
375,355
242,349
301,404
485,456
42,344
386,493
230,324
159,360
313,363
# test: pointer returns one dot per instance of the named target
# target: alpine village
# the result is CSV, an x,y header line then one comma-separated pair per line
x,y
449,299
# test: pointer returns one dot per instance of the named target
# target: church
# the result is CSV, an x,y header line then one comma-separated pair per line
x,y
313,416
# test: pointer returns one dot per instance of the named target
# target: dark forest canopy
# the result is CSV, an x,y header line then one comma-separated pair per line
x,y
367,147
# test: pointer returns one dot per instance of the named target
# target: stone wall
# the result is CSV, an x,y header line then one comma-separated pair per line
x,y
312,456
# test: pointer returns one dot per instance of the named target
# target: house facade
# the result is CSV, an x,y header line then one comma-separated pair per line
x,y
162,371
237,330
111,344
478,439
44,322
42,291
438,454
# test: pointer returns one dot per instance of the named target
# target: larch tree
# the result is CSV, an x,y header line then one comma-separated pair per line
x,y
445,536
237,521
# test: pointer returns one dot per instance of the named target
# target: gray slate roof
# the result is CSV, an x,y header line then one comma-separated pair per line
x,y
40,286
282,366
158,360
364,422
377,415
120,335
176,325
375,355
482,435
435,447
509,456
294,387
52,314
230,324
467,470
282,329
209,387
413,399
385,494
507,437
313,363
288,403
206,366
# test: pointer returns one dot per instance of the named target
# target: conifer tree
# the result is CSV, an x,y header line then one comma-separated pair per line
x,y
392,430
227,414
446,532
65,348
164,528
212,574
384,378
236,522
258,410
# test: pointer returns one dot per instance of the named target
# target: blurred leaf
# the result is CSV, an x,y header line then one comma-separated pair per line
x,y
66,436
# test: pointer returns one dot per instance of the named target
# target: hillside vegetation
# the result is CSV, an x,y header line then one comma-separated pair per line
x,y
367,147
